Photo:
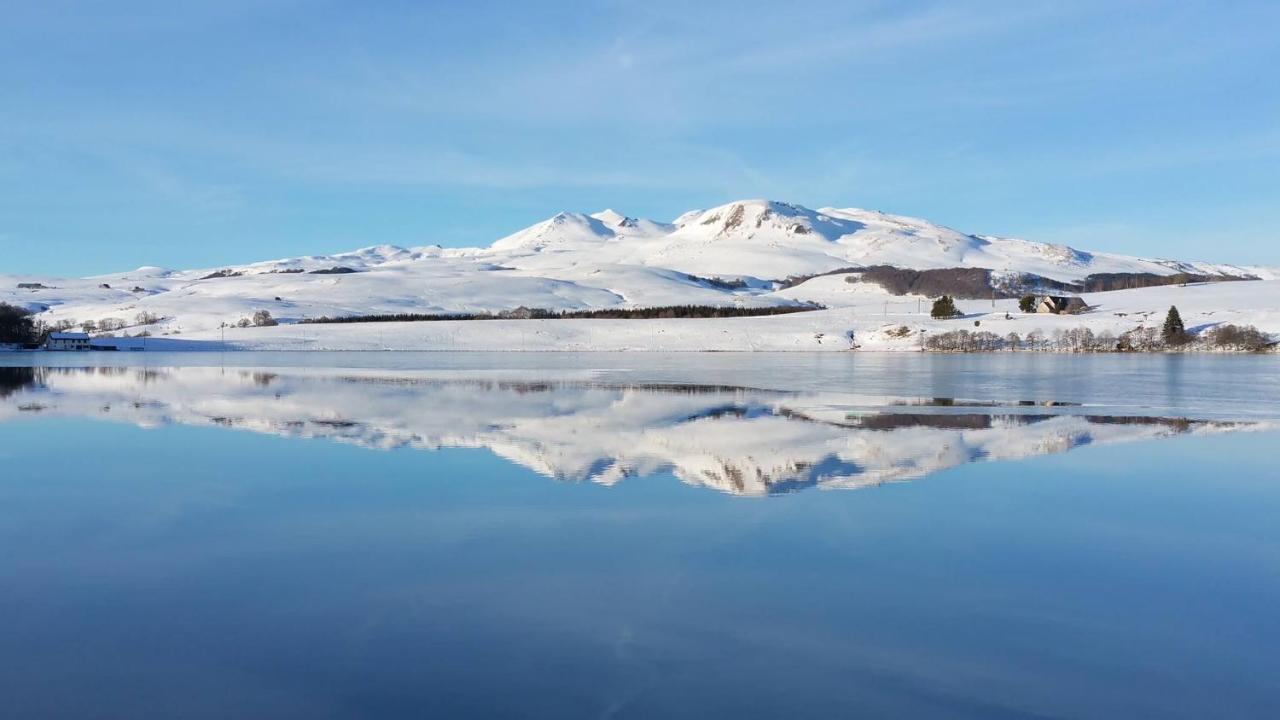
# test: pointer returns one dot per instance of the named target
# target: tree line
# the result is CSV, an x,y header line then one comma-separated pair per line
x,y
1171,335
16,325
19,326
647,313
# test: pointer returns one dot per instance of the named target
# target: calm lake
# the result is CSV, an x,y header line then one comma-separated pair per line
x,y
369,535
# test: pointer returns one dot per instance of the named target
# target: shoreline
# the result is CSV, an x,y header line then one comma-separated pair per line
x,y
611,351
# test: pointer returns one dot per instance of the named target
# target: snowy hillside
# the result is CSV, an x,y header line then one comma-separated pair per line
x,y
751,253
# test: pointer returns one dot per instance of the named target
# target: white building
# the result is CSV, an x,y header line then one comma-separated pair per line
x,y
67,341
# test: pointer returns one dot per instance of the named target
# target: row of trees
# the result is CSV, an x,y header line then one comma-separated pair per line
x,y
1173,333
1079,339
110,324
18,326
261,318
646,313
1228,337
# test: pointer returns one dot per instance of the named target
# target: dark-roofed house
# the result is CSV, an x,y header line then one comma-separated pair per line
x,y
1060,305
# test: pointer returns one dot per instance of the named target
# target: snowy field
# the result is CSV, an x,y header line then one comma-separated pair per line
x,y
859,315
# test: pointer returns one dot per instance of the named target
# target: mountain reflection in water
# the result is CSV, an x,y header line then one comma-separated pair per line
x,y
738,440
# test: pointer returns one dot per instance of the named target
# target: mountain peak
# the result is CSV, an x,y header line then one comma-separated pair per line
x,y
750,217
612,217
384,251
560,229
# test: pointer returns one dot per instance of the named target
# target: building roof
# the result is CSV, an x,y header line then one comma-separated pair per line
x,y
68,336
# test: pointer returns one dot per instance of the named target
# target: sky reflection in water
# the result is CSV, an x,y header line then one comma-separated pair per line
x,y
228,544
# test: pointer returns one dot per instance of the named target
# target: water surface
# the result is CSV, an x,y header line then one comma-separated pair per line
x,y
382,535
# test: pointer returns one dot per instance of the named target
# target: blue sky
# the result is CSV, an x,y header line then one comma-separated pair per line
x,y
189,134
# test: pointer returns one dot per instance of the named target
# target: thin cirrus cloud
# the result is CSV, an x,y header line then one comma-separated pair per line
x,y
661,73
230,125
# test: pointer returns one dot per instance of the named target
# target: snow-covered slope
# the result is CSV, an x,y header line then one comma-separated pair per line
x,y
860,316
734,254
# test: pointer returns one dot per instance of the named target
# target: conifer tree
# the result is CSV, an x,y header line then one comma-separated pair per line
x,y
1174,332
944,308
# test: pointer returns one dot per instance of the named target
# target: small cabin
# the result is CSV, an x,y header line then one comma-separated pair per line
x,y
1052,304
67,341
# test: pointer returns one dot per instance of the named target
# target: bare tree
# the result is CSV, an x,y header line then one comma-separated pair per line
x,y
1235,337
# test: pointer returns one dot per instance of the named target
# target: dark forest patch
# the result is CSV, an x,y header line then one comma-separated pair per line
x,y
650,313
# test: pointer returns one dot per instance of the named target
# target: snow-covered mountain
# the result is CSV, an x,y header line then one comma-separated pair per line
x,y
745,253
772,240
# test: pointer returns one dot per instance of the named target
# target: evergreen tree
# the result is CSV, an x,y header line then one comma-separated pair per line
x,y
944,308
1027,303
1174,332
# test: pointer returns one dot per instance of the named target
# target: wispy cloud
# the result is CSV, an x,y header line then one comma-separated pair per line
x,y
985,115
